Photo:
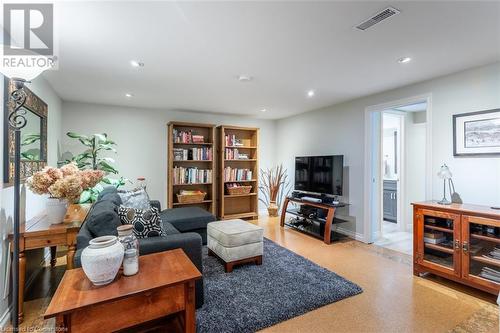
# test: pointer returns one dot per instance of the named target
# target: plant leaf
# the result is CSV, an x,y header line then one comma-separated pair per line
x,y
85,196
74,135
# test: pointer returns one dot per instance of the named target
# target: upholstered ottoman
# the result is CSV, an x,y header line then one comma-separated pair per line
x,y
235,242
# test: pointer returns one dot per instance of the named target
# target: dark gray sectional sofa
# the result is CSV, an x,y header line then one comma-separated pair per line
x,y
185,228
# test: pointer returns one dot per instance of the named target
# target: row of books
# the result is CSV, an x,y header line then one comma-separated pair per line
x,y
231,174
234,154
490,273
494,254
232,141
191,176
195,154
187,137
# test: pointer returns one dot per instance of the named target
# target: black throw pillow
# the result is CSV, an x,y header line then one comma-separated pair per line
x,y
146,222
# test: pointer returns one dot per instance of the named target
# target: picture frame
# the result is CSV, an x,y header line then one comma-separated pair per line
x,y
477,133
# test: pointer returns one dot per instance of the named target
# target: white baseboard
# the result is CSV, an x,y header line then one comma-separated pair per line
x,y
5,318
353,234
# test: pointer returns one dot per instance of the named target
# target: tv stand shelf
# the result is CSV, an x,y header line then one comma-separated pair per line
x,y
327,222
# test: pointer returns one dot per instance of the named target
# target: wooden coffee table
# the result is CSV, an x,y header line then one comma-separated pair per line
x,y
163,286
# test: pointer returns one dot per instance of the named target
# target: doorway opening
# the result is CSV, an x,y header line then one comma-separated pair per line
x,y
399,168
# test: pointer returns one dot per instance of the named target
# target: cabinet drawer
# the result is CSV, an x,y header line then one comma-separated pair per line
x,y
44,241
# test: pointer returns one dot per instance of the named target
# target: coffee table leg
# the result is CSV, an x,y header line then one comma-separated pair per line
x,y
189,312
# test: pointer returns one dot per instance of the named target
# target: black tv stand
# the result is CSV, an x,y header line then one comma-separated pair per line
x,y
327,221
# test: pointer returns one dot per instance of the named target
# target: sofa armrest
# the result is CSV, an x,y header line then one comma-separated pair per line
x,y
156,204
77,260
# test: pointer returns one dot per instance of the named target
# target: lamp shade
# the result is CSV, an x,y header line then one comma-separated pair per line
x,y
444,172
26,67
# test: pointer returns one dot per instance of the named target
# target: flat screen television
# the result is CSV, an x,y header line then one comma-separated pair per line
x,y
319,174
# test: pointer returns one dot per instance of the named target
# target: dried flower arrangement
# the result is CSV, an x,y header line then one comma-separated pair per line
x,y
274,186
67,182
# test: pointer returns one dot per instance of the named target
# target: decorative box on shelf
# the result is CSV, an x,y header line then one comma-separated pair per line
x,y
236,189
191,196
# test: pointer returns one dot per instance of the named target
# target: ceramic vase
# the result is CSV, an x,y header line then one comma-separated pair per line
x,y
102,259
272,209
56,209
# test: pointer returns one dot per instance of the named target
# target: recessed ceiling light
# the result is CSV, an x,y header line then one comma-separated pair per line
x,y
310,93
136,63
263,110
404,60
129,95
245,78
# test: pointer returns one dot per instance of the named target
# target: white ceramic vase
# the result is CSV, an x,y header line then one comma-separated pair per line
x,y
102,259
55,210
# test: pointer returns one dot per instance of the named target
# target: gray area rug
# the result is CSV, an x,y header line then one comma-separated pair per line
x,y
254,297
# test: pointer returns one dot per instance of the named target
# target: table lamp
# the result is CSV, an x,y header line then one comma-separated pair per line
x,y
20,75
444,174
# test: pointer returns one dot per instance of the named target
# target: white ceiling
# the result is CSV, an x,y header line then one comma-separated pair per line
x,y
194,51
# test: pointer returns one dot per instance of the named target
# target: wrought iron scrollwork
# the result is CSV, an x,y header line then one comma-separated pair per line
x,y
17,119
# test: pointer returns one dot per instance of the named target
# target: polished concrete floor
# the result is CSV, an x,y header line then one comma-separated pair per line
x,y
394,239
393,299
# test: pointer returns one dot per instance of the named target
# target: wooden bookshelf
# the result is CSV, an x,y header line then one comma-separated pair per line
x,y
208,133
243,205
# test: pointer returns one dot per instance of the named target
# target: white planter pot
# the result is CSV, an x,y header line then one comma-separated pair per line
x,y
55,210
102,259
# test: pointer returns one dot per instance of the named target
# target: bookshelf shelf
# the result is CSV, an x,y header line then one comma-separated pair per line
x,y
239,195
432,227
244,205
190,168
439,248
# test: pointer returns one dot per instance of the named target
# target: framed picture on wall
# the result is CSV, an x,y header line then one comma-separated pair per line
x,y
476,133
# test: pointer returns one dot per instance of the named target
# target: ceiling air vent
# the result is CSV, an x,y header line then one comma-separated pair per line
x,y
377,18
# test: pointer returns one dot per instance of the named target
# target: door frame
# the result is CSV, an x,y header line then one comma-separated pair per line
x,y
373,211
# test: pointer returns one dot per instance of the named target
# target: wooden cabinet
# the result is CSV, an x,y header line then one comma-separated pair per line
x,y
460,242
390,200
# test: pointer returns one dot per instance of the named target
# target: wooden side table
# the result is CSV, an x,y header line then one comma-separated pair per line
x,y
163,286
38,233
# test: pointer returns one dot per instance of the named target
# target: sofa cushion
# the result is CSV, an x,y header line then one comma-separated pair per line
x,y
233,233
169,229
146,222
103,219
187,218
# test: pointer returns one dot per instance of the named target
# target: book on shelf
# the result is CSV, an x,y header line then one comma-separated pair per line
x,y
434,235
494,254
183,175
234,174
490,273
434,240
186,137
234,154
231,141
193,154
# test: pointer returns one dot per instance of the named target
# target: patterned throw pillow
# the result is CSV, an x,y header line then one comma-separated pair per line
x,y
146,222
137,198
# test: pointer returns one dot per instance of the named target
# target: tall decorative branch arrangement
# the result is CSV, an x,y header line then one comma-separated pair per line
x,y
274,186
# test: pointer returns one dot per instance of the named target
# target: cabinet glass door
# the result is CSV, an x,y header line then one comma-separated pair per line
x,y
439,241
481,250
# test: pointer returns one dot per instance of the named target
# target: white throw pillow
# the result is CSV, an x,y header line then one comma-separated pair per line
x,y
137,198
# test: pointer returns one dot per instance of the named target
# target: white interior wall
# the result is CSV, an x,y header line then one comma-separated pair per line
x,y
339,129
415,150
31,204
141,137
